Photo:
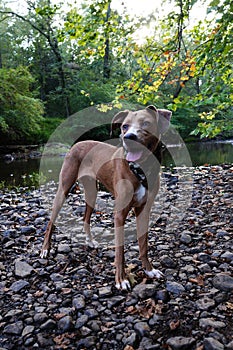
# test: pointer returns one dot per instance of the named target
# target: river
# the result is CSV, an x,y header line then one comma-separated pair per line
x,y
24,172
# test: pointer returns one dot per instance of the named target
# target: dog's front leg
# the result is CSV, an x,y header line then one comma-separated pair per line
x,y
120,277
142,218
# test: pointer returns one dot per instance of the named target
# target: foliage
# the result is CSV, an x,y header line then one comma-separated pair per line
x,y
20,111
87,54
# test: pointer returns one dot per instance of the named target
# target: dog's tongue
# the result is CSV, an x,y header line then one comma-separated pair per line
x,y
133,156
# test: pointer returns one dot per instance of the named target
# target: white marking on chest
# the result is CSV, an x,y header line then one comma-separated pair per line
x,y
140,193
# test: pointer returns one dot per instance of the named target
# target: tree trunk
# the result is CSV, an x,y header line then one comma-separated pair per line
x,y
107,70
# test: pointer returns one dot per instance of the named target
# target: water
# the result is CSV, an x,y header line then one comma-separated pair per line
x,y
25,172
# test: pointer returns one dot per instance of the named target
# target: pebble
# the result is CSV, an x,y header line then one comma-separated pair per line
x,y
212,344
19,285
175,287
181,343
22,268
70,301
223,282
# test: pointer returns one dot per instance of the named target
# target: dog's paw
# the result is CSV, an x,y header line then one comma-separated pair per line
x,y
124,285
92,243
44,253
154,274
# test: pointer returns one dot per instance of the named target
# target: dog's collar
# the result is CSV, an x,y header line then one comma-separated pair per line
x,y
139,173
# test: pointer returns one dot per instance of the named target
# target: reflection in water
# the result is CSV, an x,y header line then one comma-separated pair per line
x,y
22,172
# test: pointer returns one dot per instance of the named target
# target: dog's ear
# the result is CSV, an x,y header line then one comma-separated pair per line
x,y
164,118
117,121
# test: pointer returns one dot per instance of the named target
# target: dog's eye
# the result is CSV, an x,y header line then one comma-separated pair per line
x,y
146,124
125,127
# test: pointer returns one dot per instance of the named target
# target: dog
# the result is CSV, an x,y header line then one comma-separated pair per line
x,y
92,161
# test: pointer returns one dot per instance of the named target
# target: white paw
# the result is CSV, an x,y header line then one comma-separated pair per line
x,y
124,285
44,253
154,274
91,243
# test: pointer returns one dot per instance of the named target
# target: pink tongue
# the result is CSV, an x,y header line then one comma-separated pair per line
x,y
133,156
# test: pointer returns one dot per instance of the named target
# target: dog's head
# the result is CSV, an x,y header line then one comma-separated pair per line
x,y
141,130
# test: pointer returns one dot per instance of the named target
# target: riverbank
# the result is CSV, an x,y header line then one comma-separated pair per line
x,y
69,301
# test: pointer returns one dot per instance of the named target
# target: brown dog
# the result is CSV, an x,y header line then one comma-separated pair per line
x,y
89,161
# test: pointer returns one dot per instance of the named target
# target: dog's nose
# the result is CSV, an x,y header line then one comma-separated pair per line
x,y
130,136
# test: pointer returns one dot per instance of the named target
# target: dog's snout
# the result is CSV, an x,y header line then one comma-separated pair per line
x,y
130,136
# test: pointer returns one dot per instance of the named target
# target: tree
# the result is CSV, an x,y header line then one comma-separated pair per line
x,y
41,18
20,111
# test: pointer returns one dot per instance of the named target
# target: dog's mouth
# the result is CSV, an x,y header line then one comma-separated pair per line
x,y
133,156
134,150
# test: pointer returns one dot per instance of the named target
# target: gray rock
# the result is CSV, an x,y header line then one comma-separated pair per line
x,y
115,301
15,328
19,285
105,291
209,322
227,255
27,330
229,346
145,291
205,303
27,230
174,287
22,268
63,248
49,324
131,340
87,343
185,238
167,261
91,313
212,344
223,282
142,328
40,317
81,321
181,343
65,323
79,303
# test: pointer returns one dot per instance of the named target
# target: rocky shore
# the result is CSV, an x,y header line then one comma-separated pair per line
x,y
69,300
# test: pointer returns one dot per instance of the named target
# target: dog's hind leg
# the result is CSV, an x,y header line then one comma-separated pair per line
x,y
66,180
90,191
57,204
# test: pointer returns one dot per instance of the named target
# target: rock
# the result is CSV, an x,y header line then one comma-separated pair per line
x,y
145,291
27,330
131,340
64,248
115,301
209,322
105,291
79,303
15,328
167,261
181,343
185,238
22,268
205,303
229,346
223,282
19,285
174,287
212,344
142,328
87,342
27,230
81,321
65,324
49,324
